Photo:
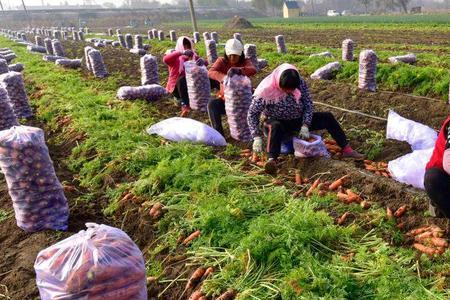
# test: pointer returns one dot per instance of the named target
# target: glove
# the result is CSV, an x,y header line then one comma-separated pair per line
x,y
200,62
257,145
188,53
234,71
304,133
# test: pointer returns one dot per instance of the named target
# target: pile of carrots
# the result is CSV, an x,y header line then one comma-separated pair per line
x,y
333,147
379,168
429,240
194,285
256,159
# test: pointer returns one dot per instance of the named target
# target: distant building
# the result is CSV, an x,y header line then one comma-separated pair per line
x,y
291,9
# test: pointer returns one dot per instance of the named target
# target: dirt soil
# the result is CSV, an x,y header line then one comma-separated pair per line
x,y
238,22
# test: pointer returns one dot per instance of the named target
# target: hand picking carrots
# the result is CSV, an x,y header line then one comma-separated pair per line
x,y
379,168
192,237
428,240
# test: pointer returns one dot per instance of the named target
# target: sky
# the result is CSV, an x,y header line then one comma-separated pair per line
x,y
55,2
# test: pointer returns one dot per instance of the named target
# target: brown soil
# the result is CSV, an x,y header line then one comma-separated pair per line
x,y
238,22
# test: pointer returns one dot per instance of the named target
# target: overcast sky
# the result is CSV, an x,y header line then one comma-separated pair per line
x,y
53,2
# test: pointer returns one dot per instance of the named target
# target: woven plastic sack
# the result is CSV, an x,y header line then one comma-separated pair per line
x,y
215,37
16,68
110,32
238,37
3,66
152,92
149,69
409,58
250,53
347,50
13,83
187,130
122,40
86,57
419,136
97,65
49,46
138,41
129,41
173,35
322,54
7,117
326,72
58,49
69,63
368,70
150,35
197,38
238,97
314,148
281,45
51,58
160,35
38,198
199,87
36,48
211,51
98,263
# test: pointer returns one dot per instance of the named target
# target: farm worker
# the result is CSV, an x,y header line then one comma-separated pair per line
x,y
284,99
437,174
176,84
233,63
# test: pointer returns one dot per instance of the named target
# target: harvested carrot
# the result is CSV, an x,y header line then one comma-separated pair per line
x,y
127,197
330,142
208,272
298,178
440,250
424,236
313,187
246,151
192,237
365,204
277,182
156,210
255,158
151,280
353,197
400,212
246,155
260,164
69,189
196,295
424,249
228,295
342,197
342,219
195,278
401,225
389,213
180,239
335,185
417,231
439,242
202,298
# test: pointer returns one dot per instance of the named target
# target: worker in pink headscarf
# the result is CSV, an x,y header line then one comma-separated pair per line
x,y
284,99
176,84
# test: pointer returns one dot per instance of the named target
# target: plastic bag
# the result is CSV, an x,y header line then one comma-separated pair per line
x,y
138,41
149,69
215,37
347,50
129,40
211,51
49,46
251,53
151,92
410,168
238,97
122,40
419,136
7,117
52,58
86,57
315,148
16,68
3,66
38,198
36,48
368,70
160,35
97,65
99,263
326,72
13,83
198,84
69,63
187,130
281,45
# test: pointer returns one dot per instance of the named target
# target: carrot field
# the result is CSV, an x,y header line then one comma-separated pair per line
x,y
264,237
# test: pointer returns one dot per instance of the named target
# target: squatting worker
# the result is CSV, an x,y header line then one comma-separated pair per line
x,y
284,99
437,178
176,84
233,63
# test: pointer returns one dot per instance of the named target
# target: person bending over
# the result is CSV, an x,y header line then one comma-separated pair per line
x,y
284,99
233,63
176,84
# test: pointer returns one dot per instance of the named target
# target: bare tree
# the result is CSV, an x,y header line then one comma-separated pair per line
x,y
366,4
403,4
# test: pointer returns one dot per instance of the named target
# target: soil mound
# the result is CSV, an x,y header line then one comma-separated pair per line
x,y
238,23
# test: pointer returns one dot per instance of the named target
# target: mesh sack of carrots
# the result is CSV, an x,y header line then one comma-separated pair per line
x,y
199,87
313,147
37,195
98,263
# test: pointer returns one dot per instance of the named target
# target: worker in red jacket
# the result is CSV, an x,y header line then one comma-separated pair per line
x,y
437,175
176,84
233,63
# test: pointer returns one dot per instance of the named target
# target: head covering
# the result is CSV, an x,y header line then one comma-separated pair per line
x,y
269,89
234,46
180,48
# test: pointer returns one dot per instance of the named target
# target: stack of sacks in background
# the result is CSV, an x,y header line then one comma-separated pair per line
x,y
238,97
99,263
367,70
7,118
13,83
281,45
199,86
250,53
211,51
347,50
38,198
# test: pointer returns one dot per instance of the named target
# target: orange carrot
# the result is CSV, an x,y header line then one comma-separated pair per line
x,y
151,280
423,236
127,197
195,279
228,295
342,219
69,189
255,158
196,295
439,242
389,213
277,182
338,183
365,204
401,225
370,168
156,210
342,197
424,249
400,212
330,142
298,178
417,231
353,197
313,187
208,272
190,238
180,239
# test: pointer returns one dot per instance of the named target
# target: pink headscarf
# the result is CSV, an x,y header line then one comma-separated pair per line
x,y
180,47
269,89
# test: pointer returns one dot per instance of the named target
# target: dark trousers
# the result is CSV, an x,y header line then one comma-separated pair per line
x,y
216,108
437,186
181,91
278,130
